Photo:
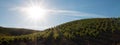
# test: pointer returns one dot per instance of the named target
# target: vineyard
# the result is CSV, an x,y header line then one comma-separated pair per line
x,y
95,31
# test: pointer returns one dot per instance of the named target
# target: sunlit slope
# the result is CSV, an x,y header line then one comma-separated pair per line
x,y
96,31
15,31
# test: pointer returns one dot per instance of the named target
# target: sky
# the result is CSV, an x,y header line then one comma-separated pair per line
x,y
60,11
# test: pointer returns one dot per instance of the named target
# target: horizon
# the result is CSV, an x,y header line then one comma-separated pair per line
x,y
43,14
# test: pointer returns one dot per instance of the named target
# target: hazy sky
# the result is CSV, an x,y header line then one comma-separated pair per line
x,y
64,11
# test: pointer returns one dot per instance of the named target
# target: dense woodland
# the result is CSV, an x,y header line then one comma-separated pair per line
x,y
95,31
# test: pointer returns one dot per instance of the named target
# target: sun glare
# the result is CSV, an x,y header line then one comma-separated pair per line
x,y
36,12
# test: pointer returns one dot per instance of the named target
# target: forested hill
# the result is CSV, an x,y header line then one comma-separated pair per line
x,y
15,31
95,31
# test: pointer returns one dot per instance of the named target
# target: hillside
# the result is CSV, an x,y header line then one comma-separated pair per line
x,y
96,31
15,31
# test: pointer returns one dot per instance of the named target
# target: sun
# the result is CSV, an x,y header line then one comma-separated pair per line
x,y
35,12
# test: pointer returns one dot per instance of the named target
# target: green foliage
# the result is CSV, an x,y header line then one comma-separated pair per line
x,y
97,30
